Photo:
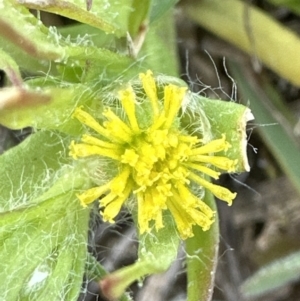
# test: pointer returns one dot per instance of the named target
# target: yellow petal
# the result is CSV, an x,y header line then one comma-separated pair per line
x,y
213,146
117,128
223,163
128,102
95,141
184,222
159,221
86,150
173,98
184,196
112,209
151,91
120,182
204,169
88,120
220,192
144,208
92,194
157,122
201,219
189,139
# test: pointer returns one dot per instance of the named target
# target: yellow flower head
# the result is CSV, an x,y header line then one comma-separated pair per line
x,y
157,163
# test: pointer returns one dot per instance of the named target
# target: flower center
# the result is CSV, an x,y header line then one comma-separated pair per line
x,y
156,160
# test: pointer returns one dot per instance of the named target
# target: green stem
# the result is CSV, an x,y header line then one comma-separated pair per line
x,y
95,270
202,252
115,284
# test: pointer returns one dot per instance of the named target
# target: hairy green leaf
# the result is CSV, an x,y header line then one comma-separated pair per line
x,y
43,228
274,275
19,26
105,15
54,114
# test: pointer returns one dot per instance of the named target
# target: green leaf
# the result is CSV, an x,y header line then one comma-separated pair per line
x,y
293,5
280,140
95,271
157,250
44,252
97,64
202,258
219,117
253,34
159,8
18,25
48,44
54,114
43,228
87,35
272,276
229,118
160,44
27,166
105,15
138,15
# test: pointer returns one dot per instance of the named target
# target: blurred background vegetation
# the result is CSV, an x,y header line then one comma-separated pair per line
x,y
248,52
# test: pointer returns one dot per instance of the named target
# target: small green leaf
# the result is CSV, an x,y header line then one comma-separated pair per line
x,y
160,42
138,15
159,8
86,35
157,250
54,114
105,15
95,271
96,63
274,275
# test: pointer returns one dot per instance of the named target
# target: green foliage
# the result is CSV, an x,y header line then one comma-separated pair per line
x,y
43,230
272,276
253,34
159,8
293,5
103,15
287,151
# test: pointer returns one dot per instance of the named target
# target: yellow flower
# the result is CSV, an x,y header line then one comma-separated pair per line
x,y
157,163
